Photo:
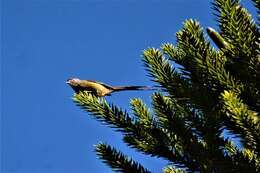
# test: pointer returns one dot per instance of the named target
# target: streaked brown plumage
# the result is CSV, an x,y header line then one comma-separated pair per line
x,y
98,88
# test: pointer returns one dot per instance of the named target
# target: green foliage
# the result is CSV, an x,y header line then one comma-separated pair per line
x,y
209,95
170,169
118,161
99,108
244,121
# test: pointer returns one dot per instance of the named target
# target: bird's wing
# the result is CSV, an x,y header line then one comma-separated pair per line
x,y
101,83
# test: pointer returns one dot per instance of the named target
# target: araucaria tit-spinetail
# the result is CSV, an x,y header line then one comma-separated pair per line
x,y
98,88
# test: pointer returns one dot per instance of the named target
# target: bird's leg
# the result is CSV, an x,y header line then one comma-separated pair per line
x,y
88,92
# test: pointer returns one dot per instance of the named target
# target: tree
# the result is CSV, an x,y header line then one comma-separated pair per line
x,y
210,97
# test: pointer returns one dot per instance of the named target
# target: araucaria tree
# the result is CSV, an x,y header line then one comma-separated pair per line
x,y
206,119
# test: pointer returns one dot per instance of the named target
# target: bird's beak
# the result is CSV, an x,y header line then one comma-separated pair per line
x,y
67,82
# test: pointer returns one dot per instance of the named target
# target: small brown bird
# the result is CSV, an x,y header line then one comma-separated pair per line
x,y
98,88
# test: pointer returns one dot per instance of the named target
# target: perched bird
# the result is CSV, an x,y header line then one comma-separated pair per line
x,y
98,88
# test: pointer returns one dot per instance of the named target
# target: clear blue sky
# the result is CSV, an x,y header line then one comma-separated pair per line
x,y
44,42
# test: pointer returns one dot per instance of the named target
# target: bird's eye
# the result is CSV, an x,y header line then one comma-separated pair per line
x,y
73,81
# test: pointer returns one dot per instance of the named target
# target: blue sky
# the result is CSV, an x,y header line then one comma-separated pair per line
x,y
44,42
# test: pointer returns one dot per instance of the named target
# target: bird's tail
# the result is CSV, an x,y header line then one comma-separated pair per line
x,y
122,88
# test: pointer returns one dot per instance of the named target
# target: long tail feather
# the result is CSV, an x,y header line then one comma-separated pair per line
x,y
122,88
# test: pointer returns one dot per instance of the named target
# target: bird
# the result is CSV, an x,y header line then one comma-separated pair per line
x,y
100,89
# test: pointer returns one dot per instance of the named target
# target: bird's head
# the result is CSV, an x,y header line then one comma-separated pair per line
x,y
73,81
